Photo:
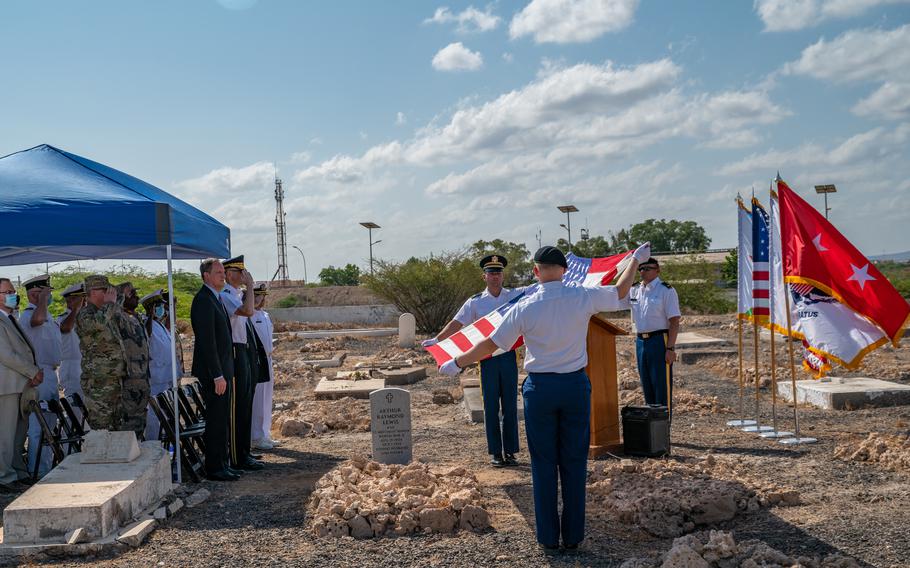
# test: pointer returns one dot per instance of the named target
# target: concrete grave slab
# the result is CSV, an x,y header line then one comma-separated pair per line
x,y
339,388
473,405
847,393
336,361
102,446
689,339
405,376
690,356
469,382
765,335
324,334
97,497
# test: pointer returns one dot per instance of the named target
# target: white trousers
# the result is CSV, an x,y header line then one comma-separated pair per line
x,y
70,374
262,411
47,390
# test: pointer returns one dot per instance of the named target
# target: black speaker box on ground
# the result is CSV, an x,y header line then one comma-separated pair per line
x,y
646,430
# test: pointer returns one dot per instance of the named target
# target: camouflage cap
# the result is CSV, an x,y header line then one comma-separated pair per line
x,y
96,281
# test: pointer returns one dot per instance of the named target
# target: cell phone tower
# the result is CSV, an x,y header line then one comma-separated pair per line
x,y
282,273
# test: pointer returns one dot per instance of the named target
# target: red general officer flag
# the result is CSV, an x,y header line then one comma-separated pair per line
x,y
816,253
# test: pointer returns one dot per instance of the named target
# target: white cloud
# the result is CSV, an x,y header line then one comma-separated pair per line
x,y
855,157
469,20
891,100
857,55
864,55
229,181
457,57
572,21
789,15
508,57
301,157
400,118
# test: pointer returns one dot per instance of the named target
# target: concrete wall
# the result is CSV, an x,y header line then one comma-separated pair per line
x,y
377,314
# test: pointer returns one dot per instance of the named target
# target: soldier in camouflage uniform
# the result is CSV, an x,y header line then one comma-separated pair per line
x,y
136,389
101,326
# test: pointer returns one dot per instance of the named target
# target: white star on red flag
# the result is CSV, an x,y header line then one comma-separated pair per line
x,y
861,275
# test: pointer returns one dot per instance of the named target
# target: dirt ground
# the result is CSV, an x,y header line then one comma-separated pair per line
x,y
325,295
816,500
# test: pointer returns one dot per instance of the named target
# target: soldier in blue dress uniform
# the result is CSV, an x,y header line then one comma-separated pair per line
x,y
498,374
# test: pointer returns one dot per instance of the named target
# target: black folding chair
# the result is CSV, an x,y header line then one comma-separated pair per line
x,y
191,443
195,393
50,436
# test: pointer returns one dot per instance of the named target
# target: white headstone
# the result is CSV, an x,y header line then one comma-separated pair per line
x,y
407,330
102,446
390,416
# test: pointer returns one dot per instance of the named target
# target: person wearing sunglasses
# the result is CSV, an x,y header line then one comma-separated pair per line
x,y
655,316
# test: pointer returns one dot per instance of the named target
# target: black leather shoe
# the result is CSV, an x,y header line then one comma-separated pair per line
x,y
223,475
497,461
256,456
28,481
233,471
251,465
510,459
549,548
571,548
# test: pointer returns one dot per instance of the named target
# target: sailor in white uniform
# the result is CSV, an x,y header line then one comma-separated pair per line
x,y
44,333
261,433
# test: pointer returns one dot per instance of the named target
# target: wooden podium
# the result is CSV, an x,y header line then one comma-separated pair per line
x,y
601,371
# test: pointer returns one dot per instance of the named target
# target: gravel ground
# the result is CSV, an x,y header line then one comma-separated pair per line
x,y
857,509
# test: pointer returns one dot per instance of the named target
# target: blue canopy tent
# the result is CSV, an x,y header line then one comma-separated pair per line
x,y
57,206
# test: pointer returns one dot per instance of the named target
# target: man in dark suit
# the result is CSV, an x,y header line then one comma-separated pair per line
x,y
213,366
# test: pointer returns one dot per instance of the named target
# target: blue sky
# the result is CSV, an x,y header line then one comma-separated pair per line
x,y
454,121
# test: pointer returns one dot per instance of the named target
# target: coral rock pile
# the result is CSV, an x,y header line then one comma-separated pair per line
x,y
366,499
671,498
892,452
317,418
720,550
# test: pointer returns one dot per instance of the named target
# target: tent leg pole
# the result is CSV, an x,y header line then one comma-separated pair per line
x,y
172,318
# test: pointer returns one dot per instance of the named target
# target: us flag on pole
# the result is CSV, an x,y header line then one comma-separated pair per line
x,y
587,272
761,282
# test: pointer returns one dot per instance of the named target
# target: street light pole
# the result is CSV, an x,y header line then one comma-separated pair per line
x,y
304,262
568,210
826,189
370,226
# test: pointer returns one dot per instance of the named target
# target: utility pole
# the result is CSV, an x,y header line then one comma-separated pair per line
x,y
282,273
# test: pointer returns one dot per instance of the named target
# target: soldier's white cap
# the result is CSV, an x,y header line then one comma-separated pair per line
x,y
158,295
77,289
43,281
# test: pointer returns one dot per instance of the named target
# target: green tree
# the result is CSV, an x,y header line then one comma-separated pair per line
x,y
431,288
347,276
520,269
730,268
664,236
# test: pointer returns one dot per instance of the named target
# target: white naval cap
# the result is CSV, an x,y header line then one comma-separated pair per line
x,y
77,289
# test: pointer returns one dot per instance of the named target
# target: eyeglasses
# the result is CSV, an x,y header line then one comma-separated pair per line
x,y
646,268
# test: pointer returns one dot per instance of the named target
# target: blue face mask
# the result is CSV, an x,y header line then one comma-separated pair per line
x,y
159,311
11,301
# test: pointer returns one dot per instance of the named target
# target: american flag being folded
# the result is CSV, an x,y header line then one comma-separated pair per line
x,y
587,272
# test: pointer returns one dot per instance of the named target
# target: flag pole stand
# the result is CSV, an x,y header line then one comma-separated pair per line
x,y
756,427
743,421
797,439
775,433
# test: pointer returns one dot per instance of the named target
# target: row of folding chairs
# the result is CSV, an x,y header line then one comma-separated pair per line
x,y
63,423
191,411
